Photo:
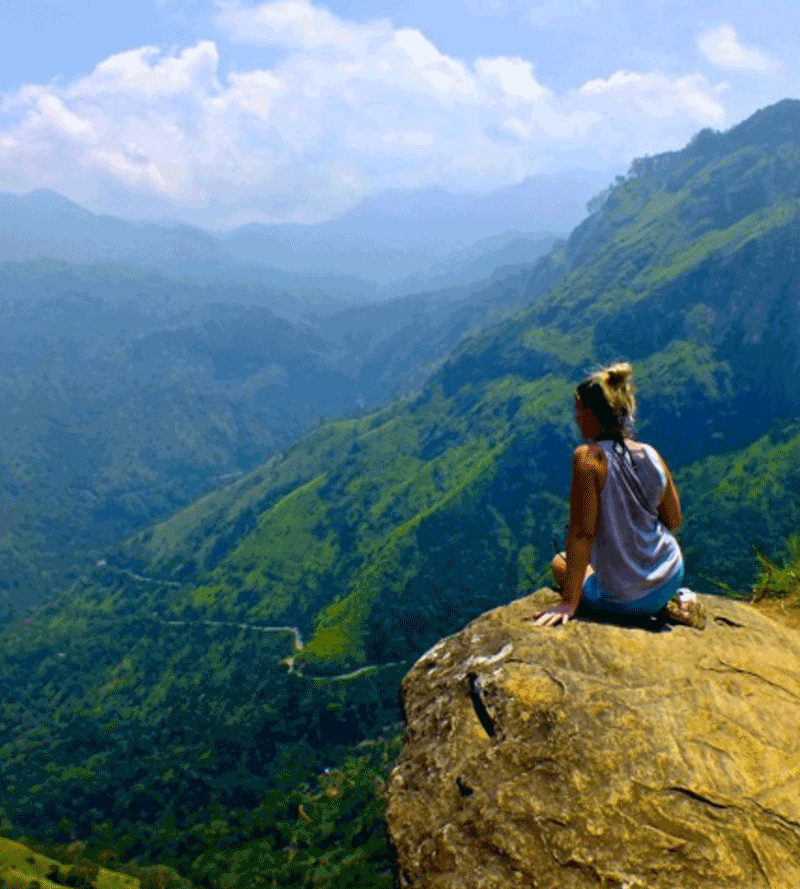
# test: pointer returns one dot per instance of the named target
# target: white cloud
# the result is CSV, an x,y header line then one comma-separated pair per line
x,y
295,24
657,96
514,76
722,48
350,109
193,70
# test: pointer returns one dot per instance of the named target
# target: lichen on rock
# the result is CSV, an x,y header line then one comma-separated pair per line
x,y
598,755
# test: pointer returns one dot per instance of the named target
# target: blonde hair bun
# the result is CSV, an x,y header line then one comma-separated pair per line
x,y
616,375
610,393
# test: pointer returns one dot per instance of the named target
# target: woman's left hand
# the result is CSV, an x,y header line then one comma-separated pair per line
x,y
559,614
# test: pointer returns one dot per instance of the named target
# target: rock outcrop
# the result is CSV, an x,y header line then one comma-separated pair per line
x,y
597,755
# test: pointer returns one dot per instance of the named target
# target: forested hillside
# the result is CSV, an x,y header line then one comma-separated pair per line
x,y
219,661
128,394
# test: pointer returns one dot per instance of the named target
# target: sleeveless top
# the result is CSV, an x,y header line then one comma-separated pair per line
x,y
633,553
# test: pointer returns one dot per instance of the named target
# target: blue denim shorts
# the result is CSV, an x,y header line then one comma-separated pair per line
x,y
598,599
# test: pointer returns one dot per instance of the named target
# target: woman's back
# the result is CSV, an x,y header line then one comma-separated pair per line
x,y
633,552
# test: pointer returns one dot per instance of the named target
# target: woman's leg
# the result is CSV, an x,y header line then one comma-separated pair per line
x,y
559,568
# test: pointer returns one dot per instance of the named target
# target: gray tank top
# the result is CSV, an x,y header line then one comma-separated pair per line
x,y
633,553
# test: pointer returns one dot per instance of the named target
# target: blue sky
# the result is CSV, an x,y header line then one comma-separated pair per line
x,y
228,112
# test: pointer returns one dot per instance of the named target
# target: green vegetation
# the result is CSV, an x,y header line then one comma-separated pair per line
x,y
140,737
130,394
740,507
776,581
328,831
752,227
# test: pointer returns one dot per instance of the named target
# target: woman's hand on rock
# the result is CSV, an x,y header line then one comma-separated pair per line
x,y
558,614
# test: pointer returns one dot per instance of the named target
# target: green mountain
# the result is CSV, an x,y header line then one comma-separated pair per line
x,y
186,697
129,394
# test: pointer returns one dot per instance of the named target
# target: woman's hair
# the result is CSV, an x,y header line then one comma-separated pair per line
x,y
610,395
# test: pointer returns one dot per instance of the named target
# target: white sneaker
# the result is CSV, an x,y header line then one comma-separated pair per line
x,y
684,608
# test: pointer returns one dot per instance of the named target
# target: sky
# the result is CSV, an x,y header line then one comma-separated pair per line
x,y
228,112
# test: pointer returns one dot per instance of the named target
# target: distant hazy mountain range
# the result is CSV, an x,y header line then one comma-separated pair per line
x,y
392,244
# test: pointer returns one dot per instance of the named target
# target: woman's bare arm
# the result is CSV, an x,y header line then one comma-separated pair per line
x,y
584,514
669,510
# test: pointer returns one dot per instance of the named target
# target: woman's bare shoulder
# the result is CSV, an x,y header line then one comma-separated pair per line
x,y
593,457
589,451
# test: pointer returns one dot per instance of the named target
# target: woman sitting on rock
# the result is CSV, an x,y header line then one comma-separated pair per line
x,y
621,556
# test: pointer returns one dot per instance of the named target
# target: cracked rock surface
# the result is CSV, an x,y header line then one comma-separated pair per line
x,y
603,756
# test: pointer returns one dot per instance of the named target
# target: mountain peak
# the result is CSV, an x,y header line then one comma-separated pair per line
x,y
43,202
771,125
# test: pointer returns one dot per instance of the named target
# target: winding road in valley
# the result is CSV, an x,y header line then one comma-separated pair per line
x,y
294,631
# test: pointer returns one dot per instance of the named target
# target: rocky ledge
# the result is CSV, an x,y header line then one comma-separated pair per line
x,y
597,755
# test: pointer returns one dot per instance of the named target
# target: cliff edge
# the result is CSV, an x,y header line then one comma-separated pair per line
x,y
597,755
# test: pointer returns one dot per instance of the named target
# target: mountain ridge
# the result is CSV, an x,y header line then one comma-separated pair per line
x,y
239,377
42,224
